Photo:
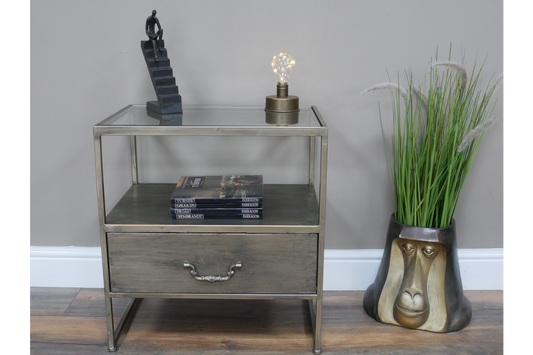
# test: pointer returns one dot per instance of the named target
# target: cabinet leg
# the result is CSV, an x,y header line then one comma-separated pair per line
x,y
113,333
110,323
316,320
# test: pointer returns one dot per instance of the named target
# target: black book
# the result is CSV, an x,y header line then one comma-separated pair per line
x,y
219,189
216,210
218,205
217,216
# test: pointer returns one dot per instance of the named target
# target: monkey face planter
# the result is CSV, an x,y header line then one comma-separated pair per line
x,y
418,284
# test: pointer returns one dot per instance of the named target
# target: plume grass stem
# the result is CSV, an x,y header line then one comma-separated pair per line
x,y
437,130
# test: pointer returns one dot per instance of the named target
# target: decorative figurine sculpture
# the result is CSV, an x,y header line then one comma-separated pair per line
x,y
155,54
418,284
155,37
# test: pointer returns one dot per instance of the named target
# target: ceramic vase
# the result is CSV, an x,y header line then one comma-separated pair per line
x,y
418,284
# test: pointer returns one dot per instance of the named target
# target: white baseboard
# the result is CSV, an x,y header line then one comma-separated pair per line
x,y
352,269
344,269
66,267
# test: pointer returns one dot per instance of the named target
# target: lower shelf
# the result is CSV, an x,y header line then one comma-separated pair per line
x,y
149,204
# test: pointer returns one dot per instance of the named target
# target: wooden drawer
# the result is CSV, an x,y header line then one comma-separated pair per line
x,y
271,263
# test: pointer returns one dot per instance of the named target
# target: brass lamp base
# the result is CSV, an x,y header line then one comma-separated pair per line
x,y
283,108
281,118
282,102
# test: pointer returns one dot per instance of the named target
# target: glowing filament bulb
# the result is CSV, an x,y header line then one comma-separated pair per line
x,y
282,64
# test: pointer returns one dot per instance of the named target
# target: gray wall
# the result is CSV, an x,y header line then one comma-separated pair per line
x,y
86,63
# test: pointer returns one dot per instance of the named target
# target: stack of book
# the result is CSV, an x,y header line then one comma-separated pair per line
x,y
218,197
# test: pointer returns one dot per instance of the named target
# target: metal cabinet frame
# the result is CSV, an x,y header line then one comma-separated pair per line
x,y
105,129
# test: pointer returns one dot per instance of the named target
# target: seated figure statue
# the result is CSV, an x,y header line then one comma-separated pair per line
x,y
155,37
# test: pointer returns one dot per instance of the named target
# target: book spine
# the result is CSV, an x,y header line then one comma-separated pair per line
x,y
216,210
217,205
216,216
176,200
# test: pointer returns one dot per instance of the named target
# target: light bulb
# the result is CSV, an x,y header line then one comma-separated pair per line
x,y
282,65
282,109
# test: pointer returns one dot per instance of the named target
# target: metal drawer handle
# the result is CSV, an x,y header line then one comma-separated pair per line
x,y
210,278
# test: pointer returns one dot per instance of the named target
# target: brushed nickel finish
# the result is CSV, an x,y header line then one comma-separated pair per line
x,y
211,278
292,214
134,170
217,296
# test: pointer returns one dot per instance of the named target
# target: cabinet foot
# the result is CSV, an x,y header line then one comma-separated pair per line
x,y
314,320
114,334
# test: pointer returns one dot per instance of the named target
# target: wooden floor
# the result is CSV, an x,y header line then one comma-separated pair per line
x,y
72,321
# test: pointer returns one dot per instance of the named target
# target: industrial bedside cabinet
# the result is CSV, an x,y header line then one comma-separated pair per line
x,y
147,254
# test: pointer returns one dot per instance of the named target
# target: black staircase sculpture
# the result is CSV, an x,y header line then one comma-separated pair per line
x,y
166,90
155,55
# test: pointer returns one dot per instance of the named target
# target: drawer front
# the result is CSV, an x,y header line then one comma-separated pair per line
x,y
271,263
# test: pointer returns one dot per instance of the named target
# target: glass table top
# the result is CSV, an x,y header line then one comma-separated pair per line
x,y
207,115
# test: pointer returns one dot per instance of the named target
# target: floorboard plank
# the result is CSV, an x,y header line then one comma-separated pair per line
x,y
38,348
90,302
64,323
47,301
227,325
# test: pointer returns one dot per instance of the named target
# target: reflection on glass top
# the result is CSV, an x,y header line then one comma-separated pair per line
x,y
193,115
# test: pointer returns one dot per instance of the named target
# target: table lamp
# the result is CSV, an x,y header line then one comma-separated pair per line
x,y
282,64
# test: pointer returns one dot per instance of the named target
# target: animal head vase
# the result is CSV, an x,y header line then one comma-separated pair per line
x,y
418,284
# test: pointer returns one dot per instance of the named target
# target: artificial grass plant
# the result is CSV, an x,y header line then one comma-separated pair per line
x,y
437,129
